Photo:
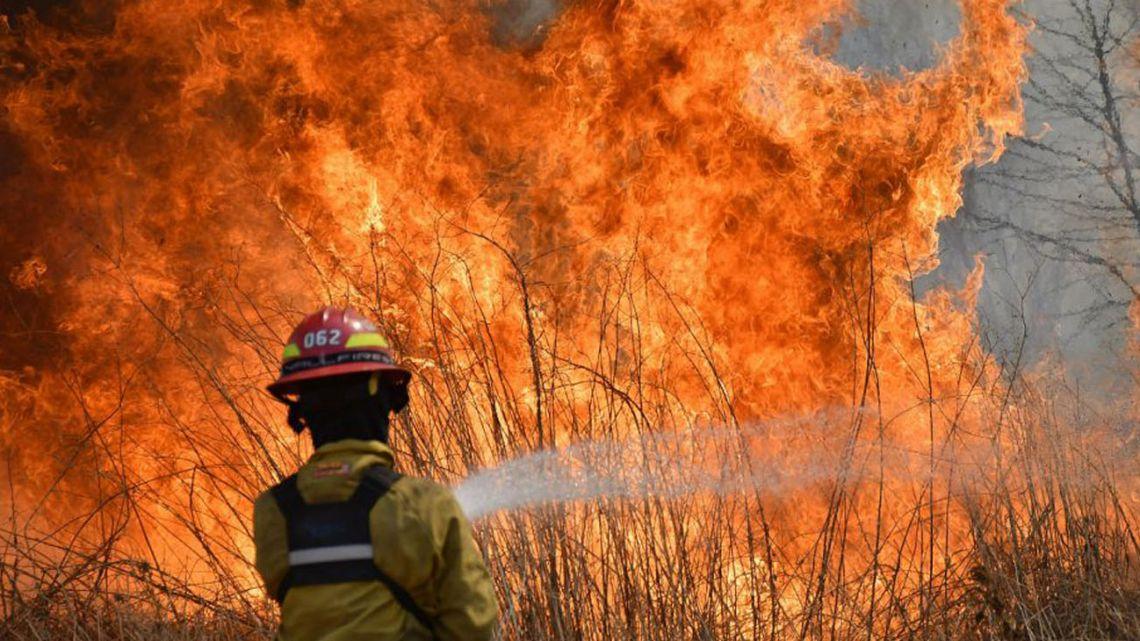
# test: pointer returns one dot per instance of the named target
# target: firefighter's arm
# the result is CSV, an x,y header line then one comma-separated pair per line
x,y
271,556
467,610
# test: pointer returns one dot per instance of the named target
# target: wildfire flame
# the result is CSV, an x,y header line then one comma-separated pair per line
x,y
649,216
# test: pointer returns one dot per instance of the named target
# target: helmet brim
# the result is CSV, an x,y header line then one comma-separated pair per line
x,y
292,383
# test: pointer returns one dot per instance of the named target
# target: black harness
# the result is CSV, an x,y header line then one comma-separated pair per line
x,y
332,542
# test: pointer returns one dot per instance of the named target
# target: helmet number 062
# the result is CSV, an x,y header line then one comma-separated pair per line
x,y
322,338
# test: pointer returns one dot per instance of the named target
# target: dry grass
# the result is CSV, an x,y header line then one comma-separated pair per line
x,y
1003,524
1051,558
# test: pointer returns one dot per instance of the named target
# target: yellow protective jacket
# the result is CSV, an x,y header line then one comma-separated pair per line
x,y
420,538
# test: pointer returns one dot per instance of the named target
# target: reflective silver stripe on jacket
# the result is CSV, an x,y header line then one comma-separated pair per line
x,y
330,554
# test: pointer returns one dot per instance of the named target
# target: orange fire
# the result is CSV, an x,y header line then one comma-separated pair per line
x,y
649,216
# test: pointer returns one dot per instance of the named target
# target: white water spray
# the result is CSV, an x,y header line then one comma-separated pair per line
x,y
773,458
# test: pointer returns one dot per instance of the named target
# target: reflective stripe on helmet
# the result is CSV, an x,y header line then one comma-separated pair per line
x,y
291,351
366,339
302,364
331,554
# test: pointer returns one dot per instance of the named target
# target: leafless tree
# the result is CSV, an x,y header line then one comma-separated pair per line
x,y
1068,192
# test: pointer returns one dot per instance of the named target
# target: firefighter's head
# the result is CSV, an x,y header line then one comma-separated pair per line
x,y
339,378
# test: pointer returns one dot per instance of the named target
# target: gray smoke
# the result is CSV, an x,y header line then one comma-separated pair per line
x,y
1049,216
888,35
522,22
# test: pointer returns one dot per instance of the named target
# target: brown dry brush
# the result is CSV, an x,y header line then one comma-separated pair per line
x,y
1047,549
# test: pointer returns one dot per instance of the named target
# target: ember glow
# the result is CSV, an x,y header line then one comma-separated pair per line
x,y
660,216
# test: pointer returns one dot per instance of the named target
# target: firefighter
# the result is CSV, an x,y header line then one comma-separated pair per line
x,y
350,548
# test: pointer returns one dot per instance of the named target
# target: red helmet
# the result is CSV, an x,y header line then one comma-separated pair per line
x,y
334,342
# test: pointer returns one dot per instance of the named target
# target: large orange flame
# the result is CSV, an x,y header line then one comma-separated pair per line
x,y
651,216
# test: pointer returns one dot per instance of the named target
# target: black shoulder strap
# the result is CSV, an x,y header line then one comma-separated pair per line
x,y
376,481
290,502
374,484
287,495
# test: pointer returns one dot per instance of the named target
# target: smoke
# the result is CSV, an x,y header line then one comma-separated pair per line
x,y
887,35
522,22
1048,216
